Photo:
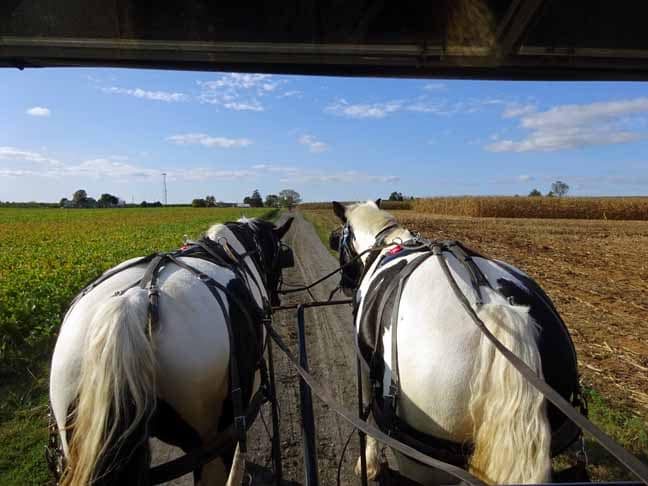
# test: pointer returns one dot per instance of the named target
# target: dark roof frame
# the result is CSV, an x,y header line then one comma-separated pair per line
x,y
512,59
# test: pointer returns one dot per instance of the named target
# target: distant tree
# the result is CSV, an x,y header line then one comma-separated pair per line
x,y
79,198
272,201
211,201
144,204
289,198
199,203
396,196
535,193
256,201
64,202
90,202
247,200
107,201
559,188
550,194
156,204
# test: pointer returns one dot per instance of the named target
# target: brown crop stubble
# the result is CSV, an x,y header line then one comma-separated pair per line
x,y
616,208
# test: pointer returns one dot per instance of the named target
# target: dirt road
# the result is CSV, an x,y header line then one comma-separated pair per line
x,y
331,359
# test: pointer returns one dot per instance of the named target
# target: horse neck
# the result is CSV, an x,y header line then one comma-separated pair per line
x,y
368,239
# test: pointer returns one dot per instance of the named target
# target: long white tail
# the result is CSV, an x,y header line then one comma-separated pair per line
x,y
512,435
116,389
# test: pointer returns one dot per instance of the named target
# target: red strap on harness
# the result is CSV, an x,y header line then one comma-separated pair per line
x,y
395,250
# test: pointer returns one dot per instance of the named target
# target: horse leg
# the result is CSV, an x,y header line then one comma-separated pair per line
x,y
375,460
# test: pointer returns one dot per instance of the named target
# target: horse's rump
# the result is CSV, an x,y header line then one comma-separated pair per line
x,y
556,349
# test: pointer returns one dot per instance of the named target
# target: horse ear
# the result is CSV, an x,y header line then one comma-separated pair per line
x,y
378,202
283,229
339,211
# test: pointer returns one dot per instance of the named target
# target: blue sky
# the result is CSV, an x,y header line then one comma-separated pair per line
x,y
224,134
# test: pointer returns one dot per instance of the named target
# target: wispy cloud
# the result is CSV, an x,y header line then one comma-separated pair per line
x,y
13,153
575,126
342,107
166,96
514,110
421,104
39,111
241,91
435,86
208,141
299,175
314,145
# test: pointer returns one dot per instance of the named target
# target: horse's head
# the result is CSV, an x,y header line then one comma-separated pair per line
x,y
273,255
362,227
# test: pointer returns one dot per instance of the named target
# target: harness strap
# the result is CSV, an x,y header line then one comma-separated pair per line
x,y
235,384
212,449
627,459
327,397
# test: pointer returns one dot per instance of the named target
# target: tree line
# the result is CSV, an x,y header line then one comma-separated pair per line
x,y
287,198
558,188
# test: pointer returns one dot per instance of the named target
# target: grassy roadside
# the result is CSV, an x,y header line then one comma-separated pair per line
x,y
24,387
621,423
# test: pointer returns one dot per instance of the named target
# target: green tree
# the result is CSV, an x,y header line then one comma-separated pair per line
x,y
272,201
107,200
559,188
396,196
535,193
79,198
256,201
199,203
289,198
211,201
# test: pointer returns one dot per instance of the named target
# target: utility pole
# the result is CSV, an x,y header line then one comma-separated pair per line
x,y
164,187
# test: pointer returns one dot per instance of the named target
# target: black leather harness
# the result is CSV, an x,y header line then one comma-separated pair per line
x,y
380,308
244,321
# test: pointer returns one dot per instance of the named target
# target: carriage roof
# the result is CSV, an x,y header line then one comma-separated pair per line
x,y
531,39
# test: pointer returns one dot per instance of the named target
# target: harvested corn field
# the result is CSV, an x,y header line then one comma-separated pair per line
x,y
615,208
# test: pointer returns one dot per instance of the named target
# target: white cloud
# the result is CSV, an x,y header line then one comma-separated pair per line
x,y
434,86
342,107
39,111
421,104
288,94
208,141
299,175
148,95
250,105
241,91
575,126
525,178
514,110
12,153
315,146
549,141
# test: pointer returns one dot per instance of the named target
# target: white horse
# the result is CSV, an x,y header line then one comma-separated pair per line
x,y
453,384
110,379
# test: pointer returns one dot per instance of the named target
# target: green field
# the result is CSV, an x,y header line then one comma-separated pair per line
x,y
46,257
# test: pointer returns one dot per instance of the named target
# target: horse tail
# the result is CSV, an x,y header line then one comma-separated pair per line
x,y
511,431
116,391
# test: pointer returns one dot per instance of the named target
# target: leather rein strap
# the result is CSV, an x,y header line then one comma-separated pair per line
x,y
326,396
623,456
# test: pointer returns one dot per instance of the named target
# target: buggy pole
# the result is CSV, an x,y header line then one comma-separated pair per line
x,y
361,435
306,404
276,439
